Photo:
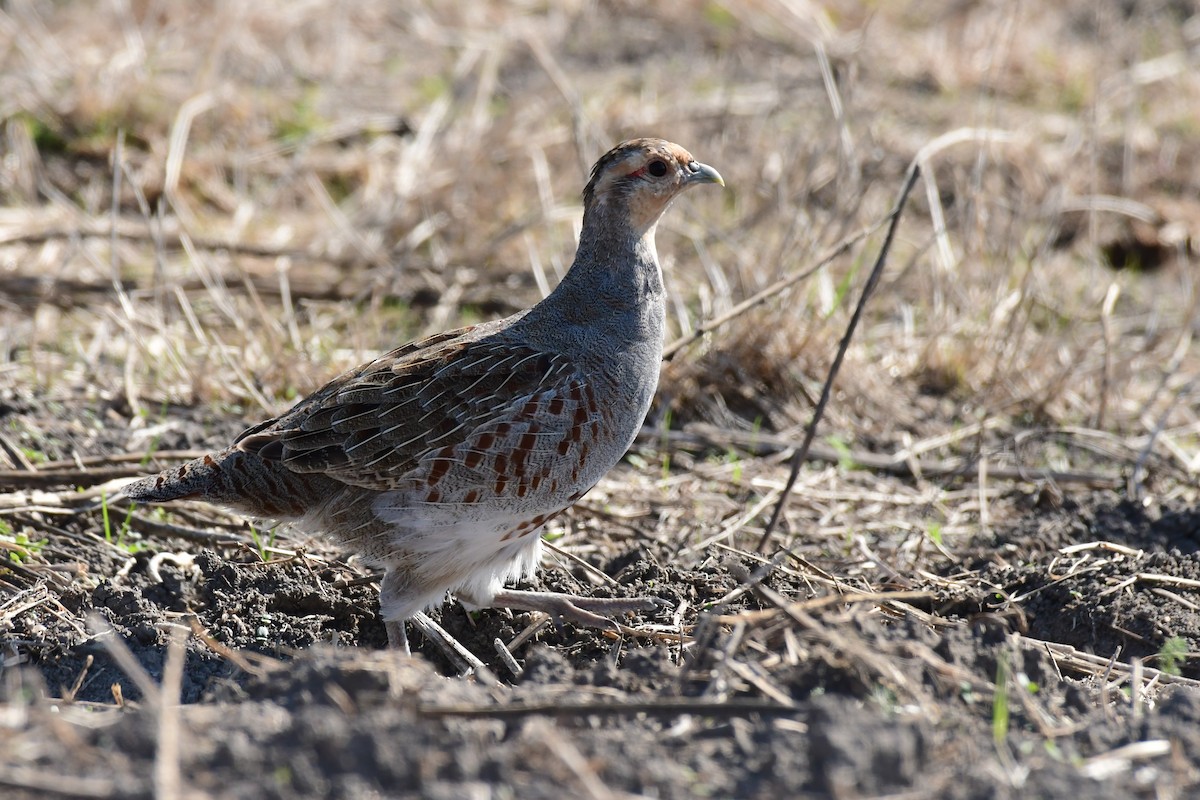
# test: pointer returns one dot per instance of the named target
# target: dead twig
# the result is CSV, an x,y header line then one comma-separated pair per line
x,y
1067,657
51,782
822,602
168,779
11,479
758,298
901,464
827,390
668,706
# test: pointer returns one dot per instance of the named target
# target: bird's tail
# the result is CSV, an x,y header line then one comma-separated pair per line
x,y
236,479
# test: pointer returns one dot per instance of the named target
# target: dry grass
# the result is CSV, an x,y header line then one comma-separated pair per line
x,y
298,190
225,205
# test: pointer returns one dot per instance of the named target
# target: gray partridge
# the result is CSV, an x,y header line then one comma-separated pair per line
x,y
440,461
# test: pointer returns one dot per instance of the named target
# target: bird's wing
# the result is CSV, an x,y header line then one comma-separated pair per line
x,y
372,426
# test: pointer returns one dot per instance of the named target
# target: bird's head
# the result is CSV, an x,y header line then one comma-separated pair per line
x,y
641,177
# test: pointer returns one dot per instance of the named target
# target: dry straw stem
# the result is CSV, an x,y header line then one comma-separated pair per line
x,y
1099,667
460,656
998,316
843,346
49,783
924,162
902,463
557,743
125,659
165,700
168,780
760,297
618,706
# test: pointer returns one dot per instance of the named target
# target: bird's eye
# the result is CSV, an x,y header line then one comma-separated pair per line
x,y
657,168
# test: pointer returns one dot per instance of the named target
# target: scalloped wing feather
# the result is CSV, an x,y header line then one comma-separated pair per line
x,y
374,426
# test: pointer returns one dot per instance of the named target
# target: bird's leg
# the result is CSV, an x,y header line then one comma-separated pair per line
x,y
397,636
585,611
391,589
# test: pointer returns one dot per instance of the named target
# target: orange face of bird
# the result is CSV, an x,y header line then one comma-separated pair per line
x,y
645,175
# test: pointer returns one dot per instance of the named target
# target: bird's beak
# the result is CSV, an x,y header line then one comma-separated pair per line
x,y
703,173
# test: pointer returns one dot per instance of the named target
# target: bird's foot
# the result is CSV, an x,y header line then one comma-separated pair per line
x,y
590,612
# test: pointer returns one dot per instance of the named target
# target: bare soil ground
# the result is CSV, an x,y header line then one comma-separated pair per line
x,y
986,581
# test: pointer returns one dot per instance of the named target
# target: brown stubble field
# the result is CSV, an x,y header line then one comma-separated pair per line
x,y
986,581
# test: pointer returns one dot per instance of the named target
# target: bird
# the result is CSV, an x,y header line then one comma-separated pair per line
x,y
441,461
